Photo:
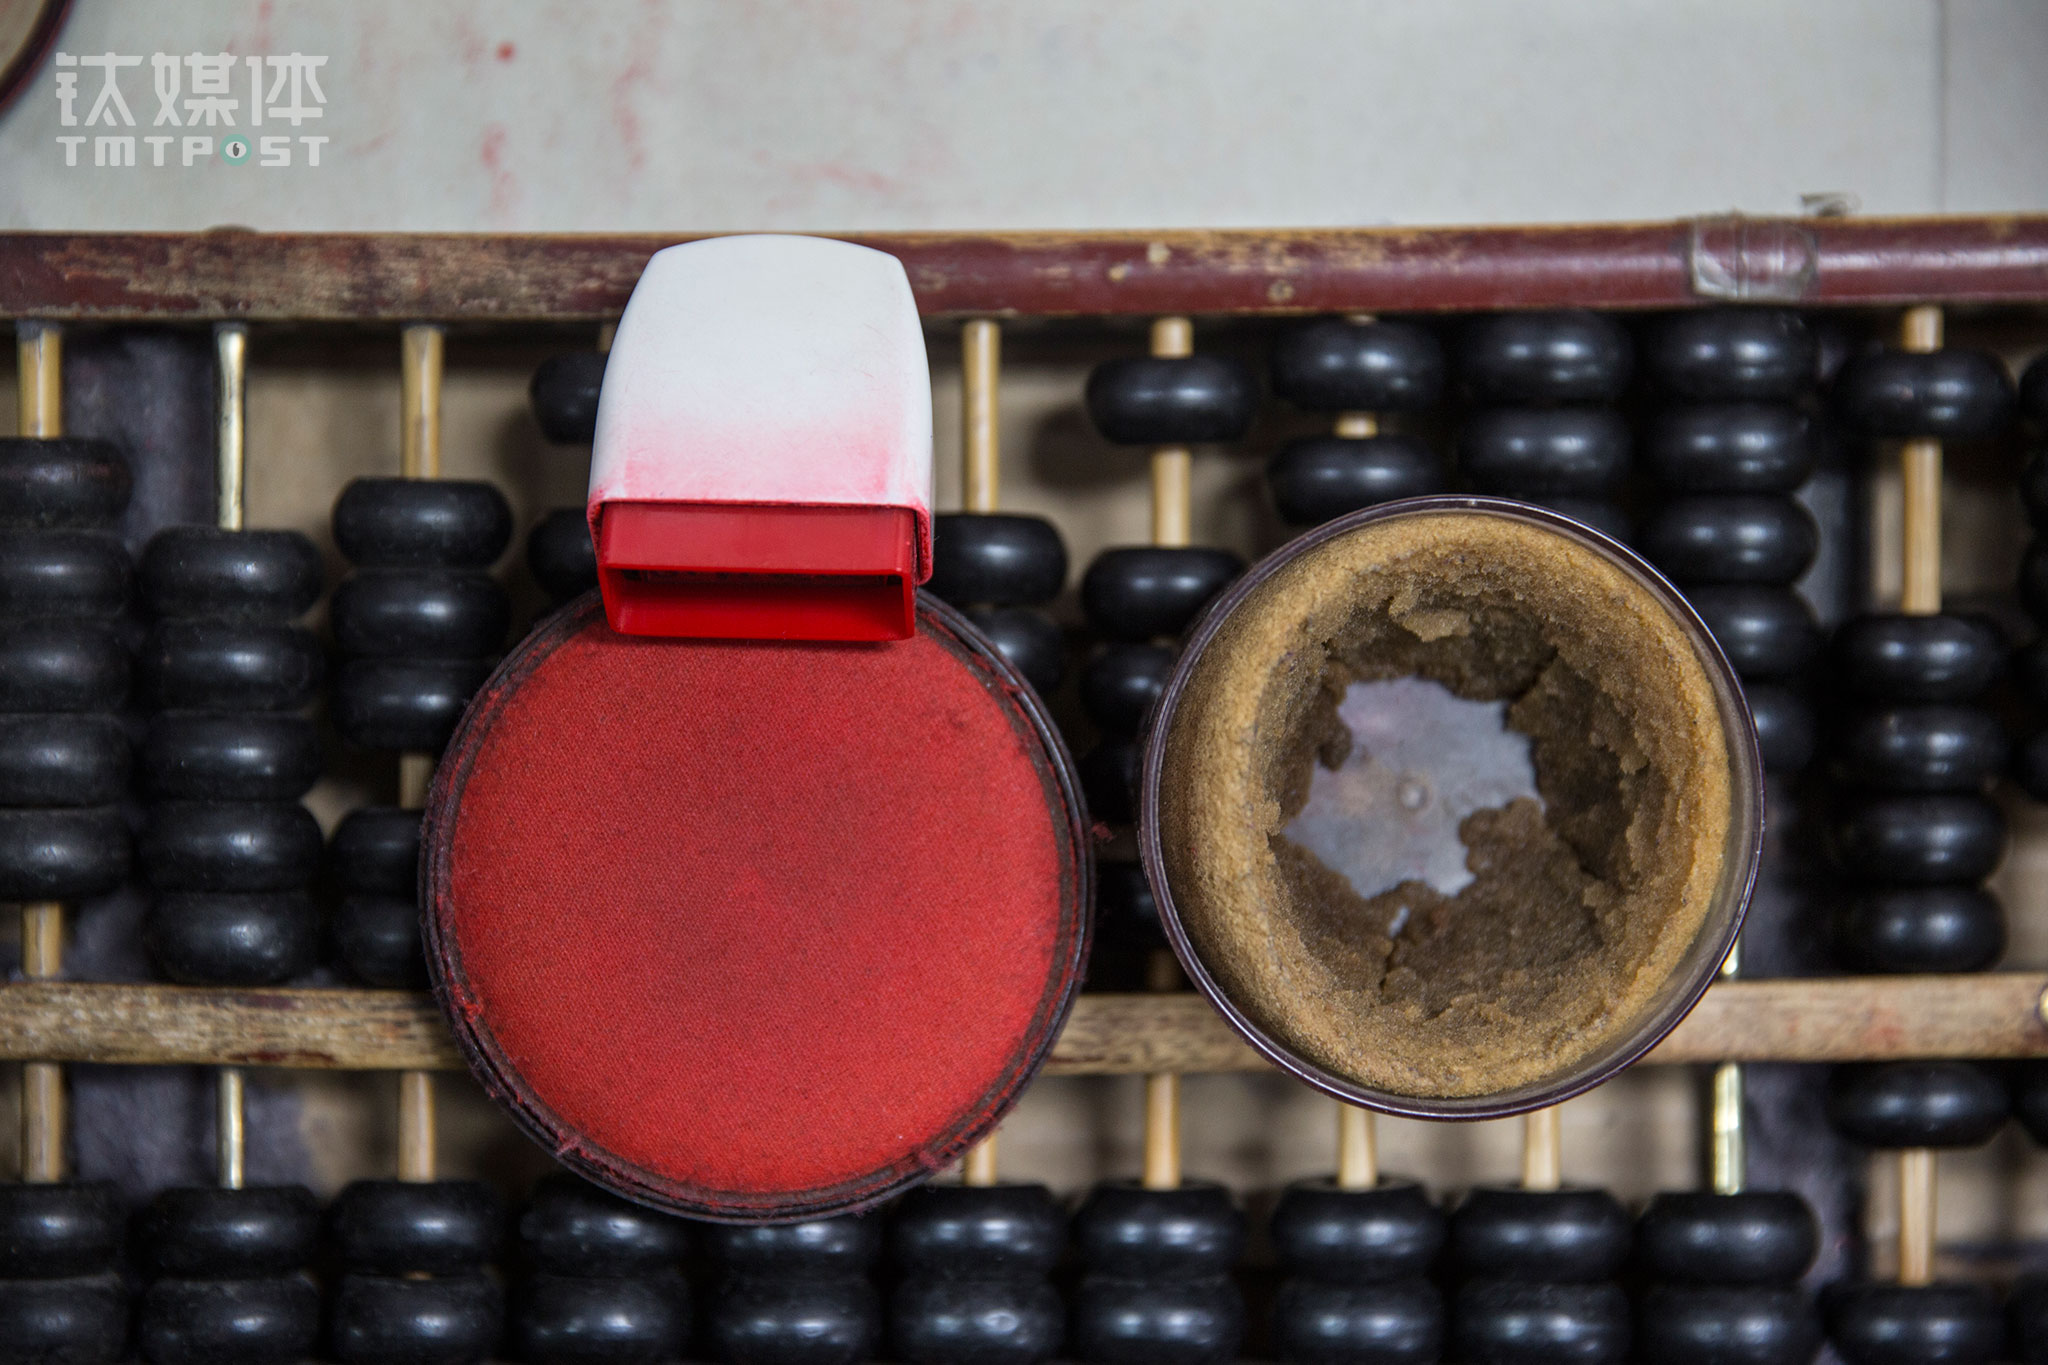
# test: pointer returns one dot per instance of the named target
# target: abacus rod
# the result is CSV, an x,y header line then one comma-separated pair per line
x,y
1920,480
979,1166
231,368
1172,466
1542,1151
981,360
1162,1092
420,355
229,1126
1916,1216
1728,1161
1358,1157
40,352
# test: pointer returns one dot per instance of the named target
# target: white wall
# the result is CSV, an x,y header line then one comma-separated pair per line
x,y
877,114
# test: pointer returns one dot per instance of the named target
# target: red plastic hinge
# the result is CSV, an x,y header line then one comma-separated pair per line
x,y
758,572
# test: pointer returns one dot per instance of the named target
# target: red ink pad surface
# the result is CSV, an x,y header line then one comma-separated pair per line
x,y
750,930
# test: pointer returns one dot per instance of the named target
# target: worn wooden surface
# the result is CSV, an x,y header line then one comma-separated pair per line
x,y
1835,1020
402,277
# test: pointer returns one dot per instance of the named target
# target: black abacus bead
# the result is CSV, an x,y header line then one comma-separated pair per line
x,y
2030,1099
1109,779
1319,478
1339,366
2034,488
230,846
71,574
1120,683
195,665
1696,1324
55,665
49,853
61,481
1785,731
1754,1237
53,759
1895,1324
559,552
1171,400
205,1232
1733,353
829,1320
1524,1322
2027,1307
1898,658
1921,840
1385,1322
1729,448
1028,639
1924,748
1564,1236
71,1321
1955,395
403,1227
1115,1320
1921,929
377,939
1917,1104
1124,1229
422,523
1731,538
1142,592
274,1320
229,938
575,1228
206,571
377,849
564,393
420,613
403,1320
977,1231
602,1320
1580,452
934,1321
845,1245
407,704
1559,357
996,560
59,1230
222,756
1389,1232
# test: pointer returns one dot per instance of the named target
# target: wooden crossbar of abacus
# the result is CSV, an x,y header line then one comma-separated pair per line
x,y
226,275
1839,1019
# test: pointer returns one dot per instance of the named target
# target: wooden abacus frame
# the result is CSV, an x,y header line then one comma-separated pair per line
x,y
231,275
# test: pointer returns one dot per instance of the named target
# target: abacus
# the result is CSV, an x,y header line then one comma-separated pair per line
x,y
1731,396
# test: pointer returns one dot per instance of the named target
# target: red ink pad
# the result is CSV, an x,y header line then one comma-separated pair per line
x,y
755,930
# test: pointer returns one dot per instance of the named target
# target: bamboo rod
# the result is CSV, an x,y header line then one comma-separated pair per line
x,y
419,433
1920,480
981,360
416,1126
979,1167
231,368
1162,1131
1916,1216
39,351
1172,466
1728,1159
230,1124
1542,1150
1358,1157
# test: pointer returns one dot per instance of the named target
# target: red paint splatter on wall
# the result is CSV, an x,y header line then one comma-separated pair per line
x,y
504,188
506,52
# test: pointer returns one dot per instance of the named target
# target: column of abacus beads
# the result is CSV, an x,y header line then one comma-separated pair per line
x,y
2027,1310
1155,1253
63,767
230,853
1918,834
418,623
